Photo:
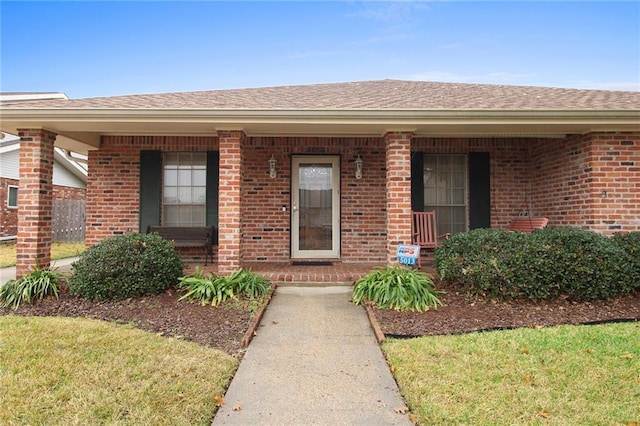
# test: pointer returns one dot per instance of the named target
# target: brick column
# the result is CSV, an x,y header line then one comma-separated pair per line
x,y
35,200
229,204
398,180
609,182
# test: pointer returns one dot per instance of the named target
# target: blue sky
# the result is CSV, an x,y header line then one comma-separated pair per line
x,y
88,49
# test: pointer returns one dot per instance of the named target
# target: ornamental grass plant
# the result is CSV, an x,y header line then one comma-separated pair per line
x,y
36,285
397,287
214,289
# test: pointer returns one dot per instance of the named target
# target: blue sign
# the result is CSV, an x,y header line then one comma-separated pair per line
x,y
408,255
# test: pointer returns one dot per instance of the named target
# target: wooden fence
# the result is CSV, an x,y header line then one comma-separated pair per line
x,y
68,220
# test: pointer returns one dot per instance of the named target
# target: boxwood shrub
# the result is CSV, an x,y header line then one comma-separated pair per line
x,y
547,263
476,260
123,266
630,243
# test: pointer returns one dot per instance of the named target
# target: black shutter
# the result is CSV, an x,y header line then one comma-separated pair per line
x,y
213,172
150,188
479,190
417,182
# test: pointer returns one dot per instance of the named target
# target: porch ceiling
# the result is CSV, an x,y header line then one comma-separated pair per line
x,y
80,129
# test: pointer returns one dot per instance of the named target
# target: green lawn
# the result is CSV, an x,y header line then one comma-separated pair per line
x,y
63,371
568,375
58,251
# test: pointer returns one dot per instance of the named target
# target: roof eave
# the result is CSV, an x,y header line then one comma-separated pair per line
x,y
86,125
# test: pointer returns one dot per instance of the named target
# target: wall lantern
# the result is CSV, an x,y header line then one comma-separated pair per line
x,y
272,166
359,168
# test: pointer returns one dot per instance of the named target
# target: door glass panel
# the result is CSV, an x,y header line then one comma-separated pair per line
x,y
315,195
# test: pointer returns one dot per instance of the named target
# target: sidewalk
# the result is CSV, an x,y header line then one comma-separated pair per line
x,y
62,265
314,360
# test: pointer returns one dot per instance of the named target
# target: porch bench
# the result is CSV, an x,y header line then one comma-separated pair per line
x,y
189,236
528,224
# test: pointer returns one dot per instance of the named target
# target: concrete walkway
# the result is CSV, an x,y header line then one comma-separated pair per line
x,y
62,265
314,360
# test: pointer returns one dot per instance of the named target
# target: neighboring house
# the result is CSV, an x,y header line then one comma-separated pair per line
x,y
30,96
69,183
332,171
69,180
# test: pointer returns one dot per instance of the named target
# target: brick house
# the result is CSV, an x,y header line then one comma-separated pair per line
x,y
332,171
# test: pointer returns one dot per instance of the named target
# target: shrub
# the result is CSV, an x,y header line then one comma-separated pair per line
x,y
125,266
545,264
397,287
581,264
36,285
214,289
630,243
476,260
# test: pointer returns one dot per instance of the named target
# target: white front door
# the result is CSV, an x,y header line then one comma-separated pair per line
x,y
315,207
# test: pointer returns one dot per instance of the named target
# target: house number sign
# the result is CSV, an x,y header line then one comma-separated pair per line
x,y
407,254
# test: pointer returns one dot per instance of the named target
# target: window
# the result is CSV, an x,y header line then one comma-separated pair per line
x,y
12,197
445,191
184,189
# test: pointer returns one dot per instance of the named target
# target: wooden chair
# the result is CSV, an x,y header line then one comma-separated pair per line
x,y
424,232
528,224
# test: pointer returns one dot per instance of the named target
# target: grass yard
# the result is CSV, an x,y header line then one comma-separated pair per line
x,y
58,251
62,371
567,375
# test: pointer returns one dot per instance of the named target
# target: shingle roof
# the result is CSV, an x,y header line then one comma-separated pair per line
x,y
366,95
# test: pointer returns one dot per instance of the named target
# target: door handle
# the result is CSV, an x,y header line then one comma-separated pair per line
x,y
294,207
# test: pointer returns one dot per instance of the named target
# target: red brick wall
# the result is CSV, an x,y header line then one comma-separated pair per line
x,y
114,178
230,220
364,228
266,227
112,191
511,188
35,196
398,191
590,181
562,179
544,176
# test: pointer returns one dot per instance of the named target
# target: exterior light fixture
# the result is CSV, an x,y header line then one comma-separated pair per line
x,y
272,167
359,168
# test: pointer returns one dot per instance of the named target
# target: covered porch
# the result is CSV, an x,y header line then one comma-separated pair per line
x,y
392,147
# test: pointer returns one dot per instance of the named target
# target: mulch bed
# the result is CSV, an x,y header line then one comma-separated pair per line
x,y
225,327
462,313
221,327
